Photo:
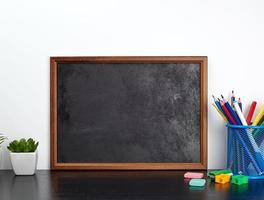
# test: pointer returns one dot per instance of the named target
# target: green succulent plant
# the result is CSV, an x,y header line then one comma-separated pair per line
x,y
23,145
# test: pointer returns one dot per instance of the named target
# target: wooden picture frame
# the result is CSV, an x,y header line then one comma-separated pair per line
x,y
55,165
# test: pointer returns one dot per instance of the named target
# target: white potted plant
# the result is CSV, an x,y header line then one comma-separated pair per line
x,y
23,156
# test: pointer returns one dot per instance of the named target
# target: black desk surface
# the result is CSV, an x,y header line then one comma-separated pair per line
x,y
112,185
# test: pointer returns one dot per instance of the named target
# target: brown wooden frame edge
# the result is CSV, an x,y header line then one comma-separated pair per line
x,y
202,60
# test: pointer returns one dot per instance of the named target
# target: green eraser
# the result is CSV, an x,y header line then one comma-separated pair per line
x,y
197,182
212,174
239,180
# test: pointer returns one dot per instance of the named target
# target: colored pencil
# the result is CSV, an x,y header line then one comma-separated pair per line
x,y
233,98
240,104
251,112
258,131
217,104
220,112
231,111
243,121
240,114
261,121
259,116
229,116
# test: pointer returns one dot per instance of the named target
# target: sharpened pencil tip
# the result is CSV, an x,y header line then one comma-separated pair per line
x,y
222,96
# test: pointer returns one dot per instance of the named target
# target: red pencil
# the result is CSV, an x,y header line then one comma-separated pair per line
x,y
251,112
227,112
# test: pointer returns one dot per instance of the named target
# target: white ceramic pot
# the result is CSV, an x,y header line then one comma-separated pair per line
x,y
24,163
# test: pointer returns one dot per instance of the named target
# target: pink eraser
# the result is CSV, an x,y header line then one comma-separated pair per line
x,y
193,175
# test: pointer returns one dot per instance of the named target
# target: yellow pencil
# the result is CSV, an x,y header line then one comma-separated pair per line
x,y
259,116
223,116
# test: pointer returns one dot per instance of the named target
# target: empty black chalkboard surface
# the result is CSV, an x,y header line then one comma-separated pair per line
x,y
129,113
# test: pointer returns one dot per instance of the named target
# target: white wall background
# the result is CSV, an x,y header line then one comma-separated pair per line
x,y
229,32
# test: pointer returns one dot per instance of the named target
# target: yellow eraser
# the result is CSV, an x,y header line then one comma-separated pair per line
x,y
222,178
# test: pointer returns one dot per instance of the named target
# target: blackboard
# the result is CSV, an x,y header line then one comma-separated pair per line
x,y
128,112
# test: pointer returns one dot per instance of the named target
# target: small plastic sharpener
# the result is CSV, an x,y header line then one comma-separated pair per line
x,y
212,174
222,178
239,180
197,182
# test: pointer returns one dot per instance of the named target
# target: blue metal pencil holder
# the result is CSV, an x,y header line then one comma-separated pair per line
x,y
245,150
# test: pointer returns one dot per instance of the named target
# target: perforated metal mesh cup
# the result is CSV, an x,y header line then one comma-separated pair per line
x,y
245,150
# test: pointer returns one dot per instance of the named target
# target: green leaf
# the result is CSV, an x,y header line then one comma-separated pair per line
x,y
23,145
